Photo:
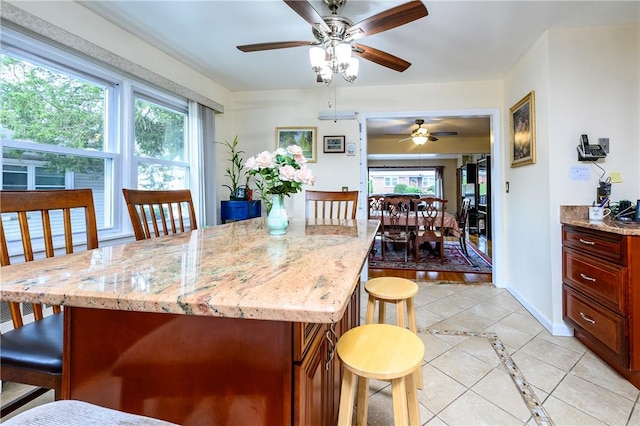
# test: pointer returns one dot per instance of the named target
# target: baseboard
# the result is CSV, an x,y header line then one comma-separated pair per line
x,y
555,329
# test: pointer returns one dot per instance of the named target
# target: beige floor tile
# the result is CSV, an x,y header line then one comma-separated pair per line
x,y
436,421
480,348
490,309
445,307
539,373
522,321
461,366
472,409
498,387
568,342
509,336
426,318
439,389
433,346
564,414
594,400
460,300
635,416
465,321
551,353
594,370
507,301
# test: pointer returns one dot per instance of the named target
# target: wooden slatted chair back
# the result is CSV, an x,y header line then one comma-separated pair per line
x,y
331,204
156,213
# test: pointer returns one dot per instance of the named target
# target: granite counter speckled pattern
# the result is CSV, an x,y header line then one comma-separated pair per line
x,y
579,216
235,270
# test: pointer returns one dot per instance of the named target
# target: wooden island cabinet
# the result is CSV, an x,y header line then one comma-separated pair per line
x,y
601,291
224,325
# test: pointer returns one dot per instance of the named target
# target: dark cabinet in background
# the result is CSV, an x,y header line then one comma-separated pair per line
x,y
483,185
467,189
239,210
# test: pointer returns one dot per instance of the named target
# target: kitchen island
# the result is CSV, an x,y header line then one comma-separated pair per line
x,y
223,325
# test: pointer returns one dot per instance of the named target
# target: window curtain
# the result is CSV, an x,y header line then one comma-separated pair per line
x,y
203,129
439,183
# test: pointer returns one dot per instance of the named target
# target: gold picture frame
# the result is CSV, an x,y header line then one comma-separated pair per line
x,y
522,125
304,137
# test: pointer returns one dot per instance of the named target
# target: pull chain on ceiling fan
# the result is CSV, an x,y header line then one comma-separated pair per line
x,y
335,37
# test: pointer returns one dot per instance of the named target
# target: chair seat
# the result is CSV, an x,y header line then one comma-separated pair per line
x,y
34,346
78,413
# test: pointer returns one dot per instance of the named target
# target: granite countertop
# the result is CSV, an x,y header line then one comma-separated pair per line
x,y
579,216
235,270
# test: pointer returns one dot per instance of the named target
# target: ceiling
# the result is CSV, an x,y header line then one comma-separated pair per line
x,y
457,41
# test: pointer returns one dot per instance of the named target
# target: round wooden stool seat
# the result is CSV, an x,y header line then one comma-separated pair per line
x,y
383,352
400,292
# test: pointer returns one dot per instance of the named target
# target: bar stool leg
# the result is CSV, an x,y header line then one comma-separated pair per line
x,y
412,326
371,307
347,397
382,311
400,313
412,400
399,394
362,413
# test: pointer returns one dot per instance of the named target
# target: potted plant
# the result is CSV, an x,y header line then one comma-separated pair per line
x,y
235,173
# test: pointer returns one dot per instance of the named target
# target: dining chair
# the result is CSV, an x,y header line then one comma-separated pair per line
x,y
155,213
331,204
376,205
47,221
462,219
396,225
429,225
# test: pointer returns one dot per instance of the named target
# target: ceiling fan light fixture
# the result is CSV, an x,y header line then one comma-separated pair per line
x,y
419,139
351,73
343,54
317,57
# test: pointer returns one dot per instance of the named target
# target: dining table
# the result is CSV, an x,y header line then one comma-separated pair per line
x,y
450,222
221,325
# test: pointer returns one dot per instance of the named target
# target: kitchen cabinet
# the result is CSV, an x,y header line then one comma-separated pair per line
x,y
601,300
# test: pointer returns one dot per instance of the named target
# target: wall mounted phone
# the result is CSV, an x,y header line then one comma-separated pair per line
x,y
588,152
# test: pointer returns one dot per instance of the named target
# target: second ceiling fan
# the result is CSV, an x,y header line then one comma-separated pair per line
x,y
334,33
421,135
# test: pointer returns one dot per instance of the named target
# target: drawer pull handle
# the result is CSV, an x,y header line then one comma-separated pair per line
x,y
588,278
587,318
591,243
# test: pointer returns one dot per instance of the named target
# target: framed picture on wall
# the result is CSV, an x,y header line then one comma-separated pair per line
x,y
522,124
304,137
334,144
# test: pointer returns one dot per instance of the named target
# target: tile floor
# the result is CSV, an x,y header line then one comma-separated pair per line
x,y
466,383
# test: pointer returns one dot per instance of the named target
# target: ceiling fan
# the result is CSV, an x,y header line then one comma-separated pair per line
x,y
334,30
420,135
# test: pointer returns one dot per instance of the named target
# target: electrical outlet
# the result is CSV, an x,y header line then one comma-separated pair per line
x,y
604,143
345,188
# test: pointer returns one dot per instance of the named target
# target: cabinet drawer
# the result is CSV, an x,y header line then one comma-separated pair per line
x,y
605,327
601,244
604,281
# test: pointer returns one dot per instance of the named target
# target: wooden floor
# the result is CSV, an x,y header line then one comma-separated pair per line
x,y
480,242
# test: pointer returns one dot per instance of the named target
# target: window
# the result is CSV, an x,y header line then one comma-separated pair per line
x,y
71,123
390,182
406,180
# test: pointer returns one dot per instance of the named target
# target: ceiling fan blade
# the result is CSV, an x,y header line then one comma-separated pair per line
x,y
443,133
432,138
404,139
308,13
275,45
381,58
391,18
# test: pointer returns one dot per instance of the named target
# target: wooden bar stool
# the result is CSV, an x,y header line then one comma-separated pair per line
x,y
399,291
382,352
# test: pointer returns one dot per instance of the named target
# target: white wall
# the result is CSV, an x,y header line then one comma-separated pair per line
x,y
256,115
585,81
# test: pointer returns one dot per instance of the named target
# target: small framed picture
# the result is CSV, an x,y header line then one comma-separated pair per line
x,y
334,144
304,137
